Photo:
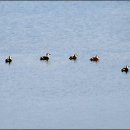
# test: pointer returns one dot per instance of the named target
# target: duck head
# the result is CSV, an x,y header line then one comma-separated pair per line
x,y
10,57
75,55
47,54
127,66
97,56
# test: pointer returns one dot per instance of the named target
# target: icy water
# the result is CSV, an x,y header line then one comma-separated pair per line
x,y
62,93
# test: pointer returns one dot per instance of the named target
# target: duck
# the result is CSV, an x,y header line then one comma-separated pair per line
x,y
8,60
74,57
95,58
45,57
125,69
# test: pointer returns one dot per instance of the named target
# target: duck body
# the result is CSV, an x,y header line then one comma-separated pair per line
x,y
8,60
74,57
95,58
125,69
46,58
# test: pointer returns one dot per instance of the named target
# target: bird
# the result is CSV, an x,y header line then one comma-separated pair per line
x,y
74,57
45,57
95,58
8,60
125,69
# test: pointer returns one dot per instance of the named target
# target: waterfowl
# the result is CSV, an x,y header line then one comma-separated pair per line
x,y
45,57
95,58
125,69
74,57
8,60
